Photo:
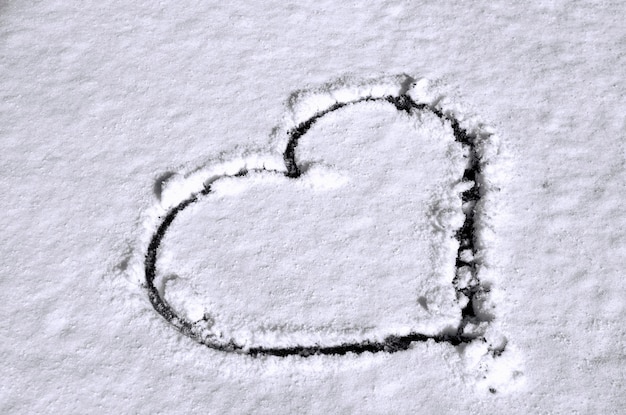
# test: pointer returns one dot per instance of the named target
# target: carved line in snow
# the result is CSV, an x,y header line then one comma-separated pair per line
x,y
468,289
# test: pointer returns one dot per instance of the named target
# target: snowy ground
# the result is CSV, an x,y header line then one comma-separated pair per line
x,y
114,112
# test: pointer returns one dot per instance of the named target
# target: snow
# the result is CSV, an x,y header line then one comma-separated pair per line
x,y
112,113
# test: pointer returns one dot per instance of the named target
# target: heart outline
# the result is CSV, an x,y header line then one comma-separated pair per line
x,y
392,343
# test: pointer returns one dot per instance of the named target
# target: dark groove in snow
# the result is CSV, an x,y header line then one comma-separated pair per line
x,y
391,344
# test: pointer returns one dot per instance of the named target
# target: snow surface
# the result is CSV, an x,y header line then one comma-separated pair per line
x,y
111,112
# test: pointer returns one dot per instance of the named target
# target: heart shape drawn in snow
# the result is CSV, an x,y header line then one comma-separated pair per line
x,y
361,238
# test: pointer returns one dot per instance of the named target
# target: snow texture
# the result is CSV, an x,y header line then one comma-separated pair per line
x,y
114,113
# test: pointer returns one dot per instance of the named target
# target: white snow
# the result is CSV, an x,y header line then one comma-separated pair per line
x,y
112,113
